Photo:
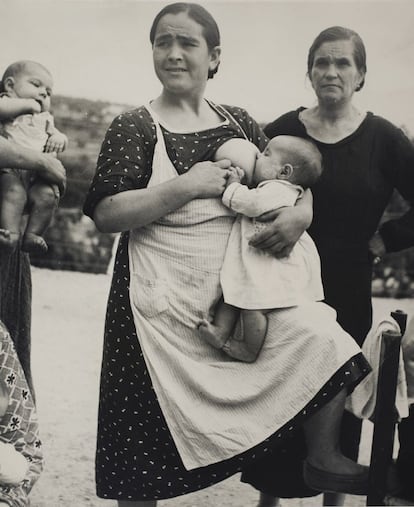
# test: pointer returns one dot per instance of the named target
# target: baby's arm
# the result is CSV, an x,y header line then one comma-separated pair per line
x,y
56,141
253,202
11,107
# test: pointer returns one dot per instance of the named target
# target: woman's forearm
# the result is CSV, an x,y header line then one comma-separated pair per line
x,y
136,208
12,107
12,155
46,166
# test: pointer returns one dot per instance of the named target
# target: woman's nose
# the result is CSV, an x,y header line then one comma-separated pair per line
x,y
332,70
175,52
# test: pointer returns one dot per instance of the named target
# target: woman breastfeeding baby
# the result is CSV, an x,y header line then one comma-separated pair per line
x,y
172,415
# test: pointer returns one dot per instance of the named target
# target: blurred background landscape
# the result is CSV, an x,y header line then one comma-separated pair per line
x,y
74,242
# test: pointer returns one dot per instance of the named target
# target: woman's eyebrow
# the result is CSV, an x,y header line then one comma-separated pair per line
x,y
181,37
187,38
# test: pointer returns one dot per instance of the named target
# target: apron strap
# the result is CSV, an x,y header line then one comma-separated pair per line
x,y
228,115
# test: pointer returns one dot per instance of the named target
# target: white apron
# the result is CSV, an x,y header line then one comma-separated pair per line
x,y
215,407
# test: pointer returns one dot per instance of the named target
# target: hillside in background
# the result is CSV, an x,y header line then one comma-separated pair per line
x,y
85,123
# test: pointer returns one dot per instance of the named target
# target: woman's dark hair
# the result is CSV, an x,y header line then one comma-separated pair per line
x,y
199,15
335,33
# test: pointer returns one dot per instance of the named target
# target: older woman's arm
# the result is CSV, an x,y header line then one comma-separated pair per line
x,y
287,225
46,166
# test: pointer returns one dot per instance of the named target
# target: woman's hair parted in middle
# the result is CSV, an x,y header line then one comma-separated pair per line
x,y
333,34
198,14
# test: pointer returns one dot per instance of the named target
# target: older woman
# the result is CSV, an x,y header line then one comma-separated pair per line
x,y
365,158
176,415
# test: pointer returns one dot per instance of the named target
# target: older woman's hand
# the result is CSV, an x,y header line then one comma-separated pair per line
x,y
288,224
209,179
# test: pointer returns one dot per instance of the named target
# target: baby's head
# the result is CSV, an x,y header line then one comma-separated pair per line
x,y
291,159
28,80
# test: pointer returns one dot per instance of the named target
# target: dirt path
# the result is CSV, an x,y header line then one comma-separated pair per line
x,y
68,317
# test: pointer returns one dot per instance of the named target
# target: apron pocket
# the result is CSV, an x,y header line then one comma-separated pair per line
x,y
149,296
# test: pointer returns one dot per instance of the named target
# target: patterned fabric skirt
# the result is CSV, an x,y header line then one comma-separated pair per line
x,y
136,456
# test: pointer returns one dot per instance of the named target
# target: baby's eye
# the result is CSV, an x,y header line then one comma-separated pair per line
x,y
36,83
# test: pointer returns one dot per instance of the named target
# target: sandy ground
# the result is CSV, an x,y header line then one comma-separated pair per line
x,y
68,317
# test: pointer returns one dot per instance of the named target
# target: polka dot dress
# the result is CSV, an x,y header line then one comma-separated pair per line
x,y
136,457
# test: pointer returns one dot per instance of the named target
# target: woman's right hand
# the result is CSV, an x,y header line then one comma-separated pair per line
x,y
52,170
208,179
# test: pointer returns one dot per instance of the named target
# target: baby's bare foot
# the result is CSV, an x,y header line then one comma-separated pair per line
x,y
211,334
33,243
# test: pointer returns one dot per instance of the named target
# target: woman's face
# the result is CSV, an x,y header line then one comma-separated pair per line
x,y
334,75
181,56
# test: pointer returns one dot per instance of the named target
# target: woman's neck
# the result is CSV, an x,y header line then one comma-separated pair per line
x,y
189,113
335,113
332,123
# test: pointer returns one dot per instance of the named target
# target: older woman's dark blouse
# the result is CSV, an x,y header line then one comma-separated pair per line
x,y
360,174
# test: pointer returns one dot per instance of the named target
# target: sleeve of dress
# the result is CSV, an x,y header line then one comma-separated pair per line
x,y
287,124
19,426
124,162
398,233
253,202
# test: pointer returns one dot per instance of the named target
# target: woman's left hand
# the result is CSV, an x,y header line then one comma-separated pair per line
x,y
281,235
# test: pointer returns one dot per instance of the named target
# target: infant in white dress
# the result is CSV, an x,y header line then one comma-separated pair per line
x,y
253,281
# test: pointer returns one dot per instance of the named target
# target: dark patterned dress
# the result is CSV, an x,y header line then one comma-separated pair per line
x,y
136,456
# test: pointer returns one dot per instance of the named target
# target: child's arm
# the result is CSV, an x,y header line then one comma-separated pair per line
x,y
11,107
56,141
253,202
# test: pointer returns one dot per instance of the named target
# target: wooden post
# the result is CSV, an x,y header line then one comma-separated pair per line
x,y
385,417
401,318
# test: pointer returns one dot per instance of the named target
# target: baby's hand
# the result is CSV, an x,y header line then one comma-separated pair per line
x,y
56,143
236,175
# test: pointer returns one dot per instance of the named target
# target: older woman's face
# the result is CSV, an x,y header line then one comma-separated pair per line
x,y
334,75
181,56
